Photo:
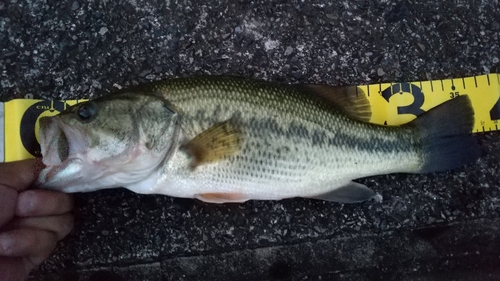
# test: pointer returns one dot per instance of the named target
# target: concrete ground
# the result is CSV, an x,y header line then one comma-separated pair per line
x,y
443,226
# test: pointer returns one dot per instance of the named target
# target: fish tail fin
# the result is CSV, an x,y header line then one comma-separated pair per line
x,y
446,137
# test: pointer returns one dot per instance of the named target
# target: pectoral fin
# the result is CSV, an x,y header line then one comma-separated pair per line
x,y
352,192
216,143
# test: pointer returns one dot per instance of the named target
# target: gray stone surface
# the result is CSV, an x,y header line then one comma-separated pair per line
x,y
428,227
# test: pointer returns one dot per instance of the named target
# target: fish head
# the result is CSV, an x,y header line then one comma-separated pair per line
x,y
109,142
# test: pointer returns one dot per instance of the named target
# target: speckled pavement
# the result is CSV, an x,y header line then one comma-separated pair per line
x,y
442,226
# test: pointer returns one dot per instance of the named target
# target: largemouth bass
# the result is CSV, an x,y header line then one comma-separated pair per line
x,y
226,139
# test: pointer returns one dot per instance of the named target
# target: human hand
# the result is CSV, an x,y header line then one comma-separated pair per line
x,y
31,221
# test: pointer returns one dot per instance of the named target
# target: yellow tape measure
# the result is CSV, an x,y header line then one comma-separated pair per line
x,y
392,104
19,119
399,103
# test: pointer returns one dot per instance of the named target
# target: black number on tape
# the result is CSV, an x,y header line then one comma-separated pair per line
x,y
415,107
495,111
28,121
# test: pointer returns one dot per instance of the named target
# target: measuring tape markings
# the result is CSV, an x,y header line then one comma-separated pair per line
x,y
20,133
395,104
415,98
28,127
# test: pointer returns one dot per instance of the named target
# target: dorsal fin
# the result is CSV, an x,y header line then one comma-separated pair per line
x,y
350,100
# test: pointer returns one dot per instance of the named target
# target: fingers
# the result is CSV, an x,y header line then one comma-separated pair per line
x,y
12,269
43,203
8,198
60,225
27,242
20,175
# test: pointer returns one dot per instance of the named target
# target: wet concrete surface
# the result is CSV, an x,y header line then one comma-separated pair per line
x,y
442,226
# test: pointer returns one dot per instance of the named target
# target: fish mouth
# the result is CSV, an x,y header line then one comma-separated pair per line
x,y
54,143
60,145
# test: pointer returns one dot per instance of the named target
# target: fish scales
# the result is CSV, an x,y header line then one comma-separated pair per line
x,y
226,139
299,147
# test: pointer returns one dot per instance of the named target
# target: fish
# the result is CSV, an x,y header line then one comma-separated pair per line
x,y
230,139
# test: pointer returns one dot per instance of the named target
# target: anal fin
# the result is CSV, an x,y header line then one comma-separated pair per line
x,y
352,192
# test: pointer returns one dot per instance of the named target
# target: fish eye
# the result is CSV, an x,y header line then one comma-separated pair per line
x,y
86,111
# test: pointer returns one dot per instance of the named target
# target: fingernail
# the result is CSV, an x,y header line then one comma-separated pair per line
x,y
6,244
26,203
